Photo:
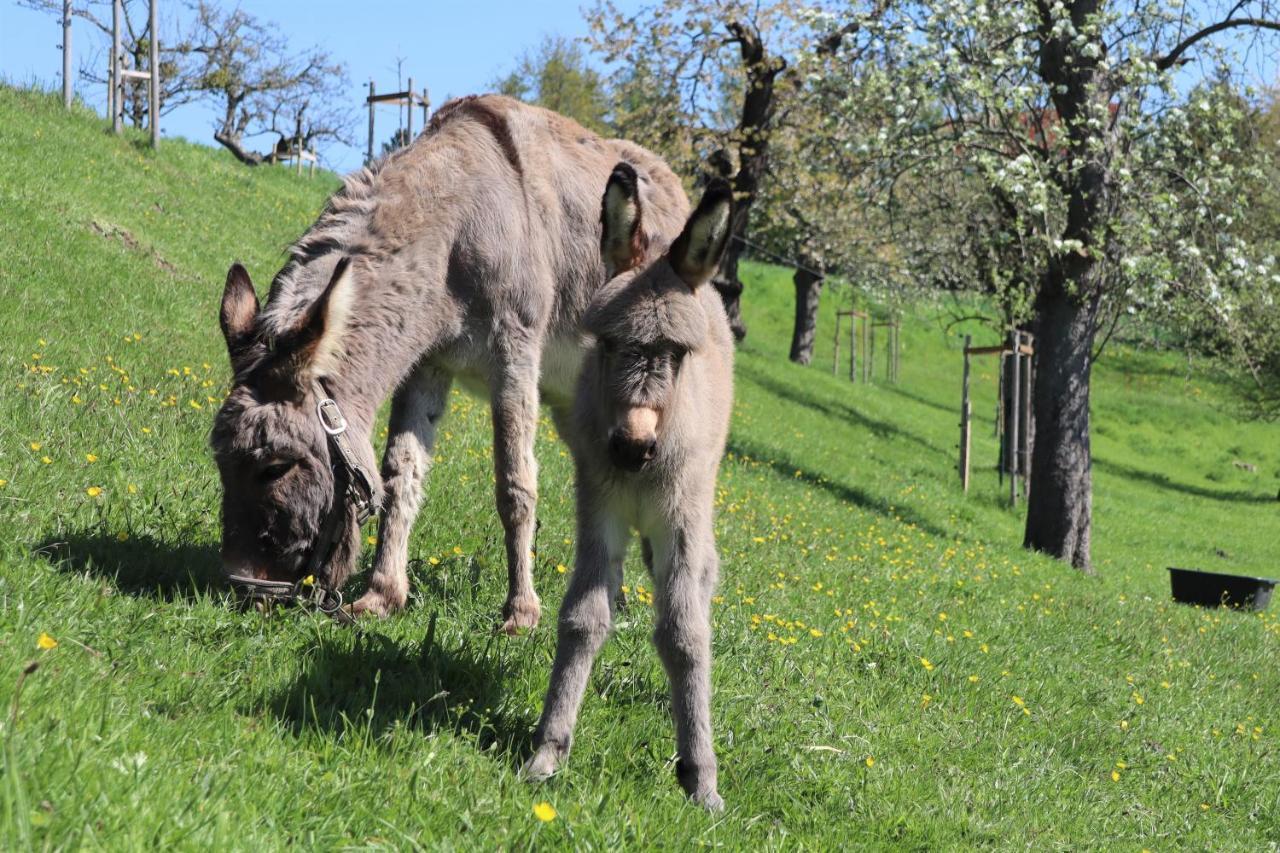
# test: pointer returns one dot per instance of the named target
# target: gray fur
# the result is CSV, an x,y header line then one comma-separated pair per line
x,y
663,347
474,253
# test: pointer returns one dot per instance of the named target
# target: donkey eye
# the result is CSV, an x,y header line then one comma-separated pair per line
x,y
275,471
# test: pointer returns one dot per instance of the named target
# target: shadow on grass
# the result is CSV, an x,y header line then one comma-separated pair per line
x,y
834,410
376,685
139,566
788,468
1162,481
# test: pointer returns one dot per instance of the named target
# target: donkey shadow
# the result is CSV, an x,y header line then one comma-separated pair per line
x,y
376,685
140,566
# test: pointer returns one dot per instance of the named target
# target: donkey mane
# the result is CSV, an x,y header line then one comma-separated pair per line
x,y
343,224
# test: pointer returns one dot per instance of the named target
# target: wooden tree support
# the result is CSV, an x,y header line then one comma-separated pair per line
x,y
1013,422
891,356
118,73
857,343
409,98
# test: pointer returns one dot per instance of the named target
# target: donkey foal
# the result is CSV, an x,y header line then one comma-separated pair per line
x,y
648,428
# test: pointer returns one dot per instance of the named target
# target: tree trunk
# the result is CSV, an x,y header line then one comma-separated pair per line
x,y
808,292
1059,508
232,144
752,133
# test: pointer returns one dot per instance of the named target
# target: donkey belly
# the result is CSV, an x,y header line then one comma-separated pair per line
x,y
558,372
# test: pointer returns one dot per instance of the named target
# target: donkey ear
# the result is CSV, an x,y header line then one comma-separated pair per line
x,y
239,311
318,338
696,253
622,241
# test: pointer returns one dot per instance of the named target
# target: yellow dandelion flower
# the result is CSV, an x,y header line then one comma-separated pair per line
x,y
133,490
561,568
1137,697
90,458
93,491
871,762
45,642
435,561
122,536
973,679
814,632
1115,775
371,539
924,662
35,445
544,812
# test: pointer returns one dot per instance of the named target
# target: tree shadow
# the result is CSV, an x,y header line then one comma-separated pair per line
x,y
791,470
140,566
922,400
376,684
837,411
1162,481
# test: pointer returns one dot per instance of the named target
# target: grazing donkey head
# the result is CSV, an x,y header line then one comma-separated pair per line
x,y
649,317
278,478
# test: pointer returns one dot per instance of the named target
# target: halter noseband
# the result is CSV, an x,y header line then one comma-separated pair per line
x,y
315,587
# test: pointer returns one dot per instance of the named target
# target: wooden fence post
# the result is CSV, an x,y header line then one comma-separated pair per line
x,y
1011,436
153,83
1026,415
835,356
117,85
853,346
408,134
368,158
966,412
66,54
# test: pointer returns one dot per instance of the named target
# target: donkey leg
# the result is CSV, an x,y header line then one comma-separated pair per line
x,y
684,583
416,409
515,423
586,616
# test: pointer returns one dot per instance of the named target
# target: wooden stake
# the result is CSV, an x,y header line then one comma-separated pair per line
x,y
853,347
835,356
966,412
153,87
66,54
1011,436
408,134
368,158
117,102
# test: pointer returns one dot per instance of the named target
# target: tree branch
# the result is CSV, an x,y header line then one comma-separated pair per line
x,y
1173,57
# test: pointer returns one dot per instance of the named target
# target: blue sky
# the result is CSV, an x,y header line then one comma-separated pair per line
x,y
452,48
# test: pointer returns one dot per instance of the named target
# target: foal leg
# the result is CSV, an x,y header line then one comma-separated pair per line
x,y
586,617
517,352
416,409
686,576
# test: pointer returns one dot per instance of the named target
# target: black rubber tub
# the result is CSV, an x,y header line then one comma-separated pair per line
x,y
1211,589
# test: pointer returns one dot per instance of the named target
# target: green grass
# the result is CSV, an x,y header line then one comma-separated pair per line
x,y
164,718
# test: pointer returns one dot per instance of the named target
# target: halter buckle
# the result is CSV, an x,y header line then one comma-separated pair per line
x,y
331,419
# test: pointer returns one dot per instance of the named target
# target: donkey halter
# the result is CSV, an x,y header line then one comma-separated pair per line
x,y
315,588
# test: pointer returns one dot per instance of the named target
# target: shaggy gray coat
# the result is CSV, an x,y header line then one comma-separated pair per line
x,y
474,253
649,427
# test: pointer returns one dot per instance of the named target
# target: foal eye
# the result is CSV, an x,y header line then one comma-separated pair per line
x,y
274,471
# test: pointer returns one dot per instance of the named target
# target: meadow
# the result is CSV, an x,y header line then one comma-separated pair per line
x,y
891,668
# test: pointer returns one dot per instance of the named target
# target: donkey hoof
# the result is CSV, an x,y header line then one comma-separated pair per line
x,y
541,766
376,604
522,614
709,800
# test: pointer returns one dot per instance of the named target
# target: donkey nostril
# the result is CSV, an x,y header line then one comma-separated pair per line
x,y
650,448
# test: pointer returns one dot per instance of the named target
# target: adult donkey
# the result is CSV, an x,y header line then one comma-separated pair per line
x,y
472,253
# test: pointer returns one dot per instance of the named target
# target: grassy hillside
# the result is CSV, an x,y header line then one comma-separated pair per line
x,y
891,668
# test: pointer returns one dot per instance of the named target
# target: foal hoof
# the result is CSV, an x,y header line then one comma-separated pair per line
x,y
541,766
521,615
699,785
376,604
709,800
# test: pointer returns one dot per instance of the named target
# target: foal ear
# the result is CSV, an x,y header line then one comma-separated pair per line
x,y
696,253
622,241
319,336
239,312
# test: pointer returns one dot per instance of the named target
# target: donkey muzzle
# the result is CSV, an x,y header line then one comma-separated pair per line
x,y
634,441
